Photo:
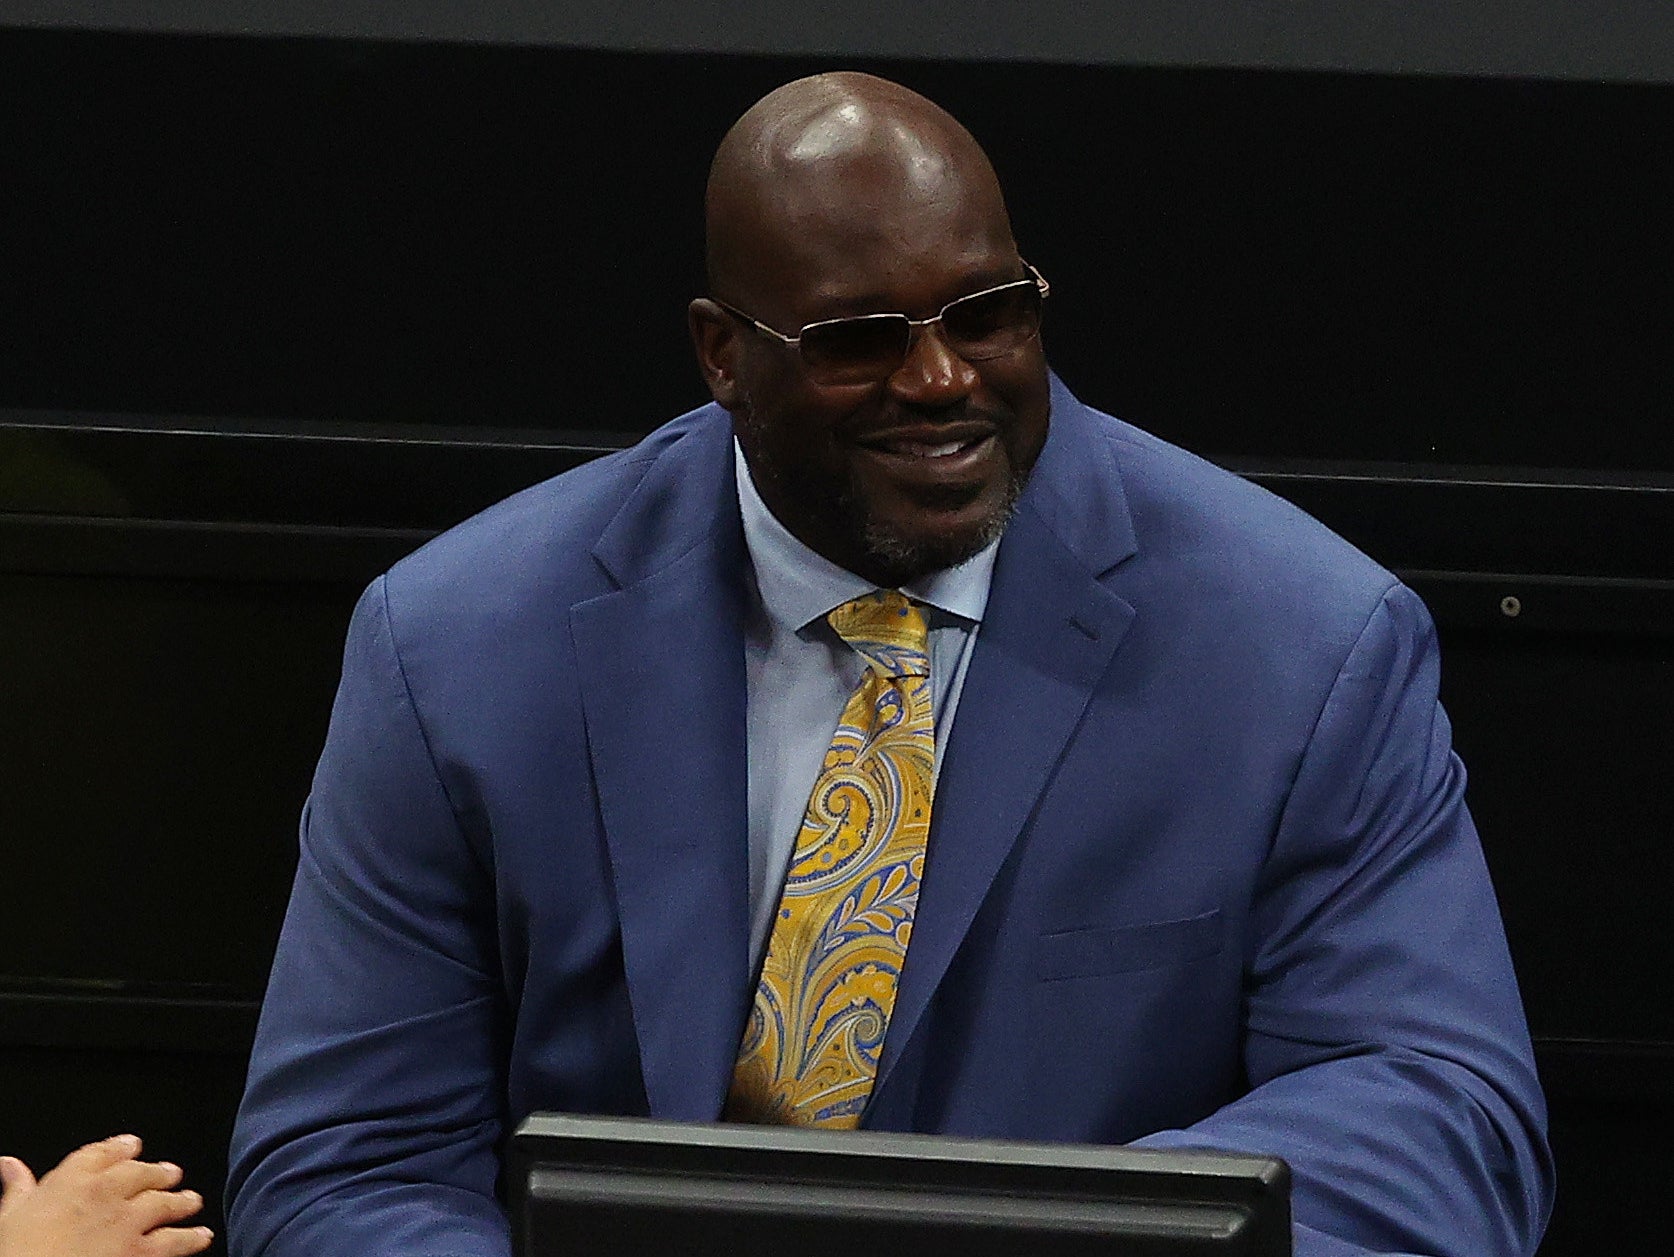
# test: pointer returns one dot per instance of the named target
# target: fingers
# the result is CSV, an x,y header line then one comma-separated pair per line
x,y
17,1180
104,1190
133,1177
109,1171
106,1152
15,1175
155,1209
179,1241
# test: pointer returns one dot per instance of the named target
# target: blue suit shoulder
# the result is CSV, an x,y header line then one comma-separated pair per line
x,y
536,547
1224,552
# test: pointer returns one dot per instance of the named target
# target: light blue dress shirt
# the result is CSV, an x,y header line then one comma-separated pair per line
x,y
800,675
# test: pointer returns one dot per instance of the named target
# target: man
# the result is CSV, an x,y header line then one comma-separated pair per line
x,y
1196,869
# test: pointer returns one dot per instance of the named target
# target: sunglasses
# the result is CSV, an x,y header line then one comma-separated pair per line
x,y
872,347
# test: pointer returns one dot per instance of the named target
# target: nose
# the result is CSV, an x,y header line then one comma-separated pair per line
x,y
933,373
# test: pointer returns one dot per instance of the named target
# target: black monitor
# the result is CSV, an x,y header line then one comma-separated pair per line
x,y
631,1187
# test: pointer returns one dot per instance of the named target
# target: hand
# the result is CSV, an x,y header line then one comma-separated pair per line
x,y
100,1201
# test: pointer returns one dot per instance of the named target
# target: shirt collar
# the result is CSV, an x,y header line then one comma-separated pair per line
x,y
798,586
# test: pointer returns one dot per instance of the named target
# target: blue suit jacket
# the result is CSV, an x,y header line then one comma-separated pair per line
x,y
1201,871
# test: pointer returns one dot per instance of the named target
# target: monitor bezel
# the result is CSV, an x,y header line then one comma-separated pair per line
x,y
1192,1201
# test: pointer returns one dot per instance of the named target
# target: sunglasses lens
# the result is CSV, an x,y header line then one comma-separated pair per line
x,y
873,346
990,324
855,350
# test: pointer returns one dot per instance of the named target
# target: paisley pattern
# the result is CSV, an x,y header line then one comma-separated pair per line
x,y
827,987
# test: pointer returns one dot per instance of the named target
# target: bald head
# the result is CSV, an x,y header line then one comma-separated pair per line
x,y
891,441
842,149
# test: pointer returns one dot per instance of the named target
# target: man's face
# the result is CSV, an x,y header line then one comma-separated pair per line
x,y
917,470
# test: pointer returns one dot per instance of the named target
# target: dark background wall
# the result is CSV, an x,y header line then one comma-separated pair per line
x,y
277,305
1595,40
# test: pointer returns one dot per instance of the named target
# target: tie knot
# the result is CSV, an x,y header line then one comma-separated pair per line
x,y
888,631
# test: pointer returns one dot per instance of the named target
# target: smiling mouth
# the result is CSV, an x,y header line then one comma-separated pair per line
x,y
916,447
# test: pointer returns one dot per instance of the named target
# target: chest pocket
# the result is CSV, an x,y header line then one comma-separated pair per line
x,y
1099,950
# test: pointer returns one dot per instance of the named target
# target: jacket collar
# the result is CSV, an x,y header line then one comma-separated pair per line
x,y
663,690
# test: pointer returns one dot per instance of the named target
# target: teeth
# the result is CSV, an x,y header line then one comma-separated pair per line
x,y
929,451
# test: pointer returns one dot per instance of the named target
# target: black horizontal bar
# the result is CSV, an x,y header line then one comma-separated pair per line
x,y
1521,603
1628,1071
332,475
1501,549
1626,39
81,1019
318,554
200,550
1543,522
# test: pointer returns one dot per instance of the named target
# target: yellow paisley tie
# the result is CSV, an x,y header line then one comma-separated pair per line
x,y
827,988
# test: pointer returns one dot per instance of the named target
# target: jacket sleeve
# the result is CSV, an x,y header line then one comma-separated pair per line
x,y
1385,1045
374,1107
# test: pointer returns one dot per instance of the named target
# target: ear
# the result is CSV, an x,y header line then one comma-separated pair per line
x,y
715,337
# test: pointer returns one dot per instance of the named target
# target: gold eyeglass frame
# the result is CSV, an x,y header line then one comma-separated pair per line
x,y
795,342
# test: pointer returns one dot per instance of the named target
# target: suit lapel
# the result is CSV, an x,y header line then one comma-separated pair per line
x,y
1048,635
663,689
